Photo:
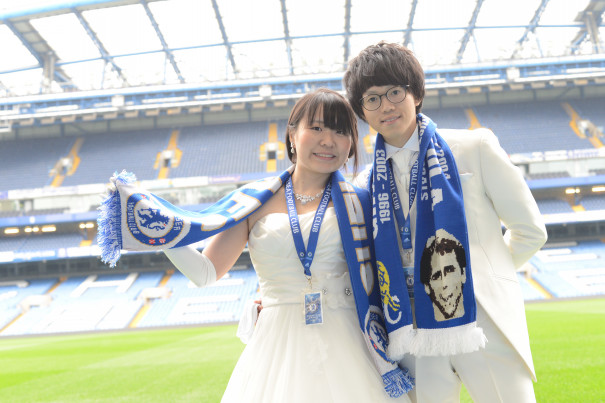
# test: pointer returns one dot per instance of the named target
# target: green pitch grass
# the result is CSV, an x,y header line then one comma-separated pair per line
x,y
194,364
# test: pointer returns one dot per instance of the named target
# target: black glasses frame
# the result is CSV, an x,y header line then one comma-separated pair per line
x,y
386,94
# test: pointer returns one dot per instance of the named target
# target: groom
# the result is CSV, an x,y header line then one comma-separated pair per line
x,y
385,86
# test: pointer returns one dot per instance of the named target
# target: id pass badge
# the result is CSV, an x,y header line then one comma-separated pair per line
x,y
313,309
409,279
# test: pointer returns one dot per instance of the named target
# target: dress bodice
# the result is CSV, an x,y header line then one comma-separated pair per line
x,y
287,360
280,272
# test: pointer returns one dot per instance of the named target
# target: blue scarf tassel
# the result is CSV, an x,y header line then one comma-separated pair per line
x,y
109,234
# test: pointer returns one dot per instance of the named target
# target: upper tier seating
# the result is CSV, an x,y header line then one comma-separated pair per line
x,y
553,206
591,109
596,202
449,118
530,127
234,149
102,154
26,163
39,242
218,150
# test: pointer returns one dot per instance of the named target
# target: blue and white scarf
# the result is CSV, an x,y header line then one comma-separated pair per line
x,y
444,300
131,218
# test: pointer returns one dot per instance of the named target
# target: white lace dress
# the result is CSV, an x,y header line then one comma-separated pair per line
x,y
286,360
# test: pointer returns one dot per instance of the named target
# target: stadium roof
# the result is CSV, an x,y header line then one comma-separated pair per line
x,y
54,46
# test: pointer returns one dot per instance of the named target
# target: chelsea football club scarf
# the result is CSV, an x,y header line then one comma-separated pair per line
x,y
444,301
131,218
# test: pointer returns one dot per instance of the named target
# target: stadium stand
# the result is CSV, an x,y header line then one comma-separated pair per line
x,y
530,293
575,270
57,241
537,126
11,243
549,175
59,146
239,144
222,302
27,163
135,151
591,109
450,118
554,206
598,171
13,293
120,301
32,213
155,298
40,242
593,202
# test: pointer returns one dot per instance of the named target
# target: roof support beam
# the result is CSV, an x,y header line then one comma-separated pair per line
x,y
221,26
165,47
469,31
531,28
592,17
36,9
579,38
407,39
46,57
284,15
104,53
592,26
347,42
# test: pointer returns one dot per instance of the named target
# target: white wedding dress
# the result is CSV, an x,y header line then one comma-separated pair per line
x,y
286,360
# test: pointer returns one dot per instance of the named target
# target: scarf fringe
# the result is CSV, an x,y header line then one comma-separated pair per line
x,y
448,341
398,382
400,341
109,235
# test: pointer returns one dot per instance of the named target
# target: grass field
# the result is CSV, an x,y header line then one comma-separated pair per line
x,y
194,364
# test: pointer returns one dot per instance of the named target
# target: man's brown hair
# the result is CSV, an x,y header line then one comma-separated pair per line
x,y
383,64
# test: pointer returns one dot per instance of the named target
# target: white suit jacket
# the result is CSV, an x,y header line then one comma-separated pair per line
x,y
496,193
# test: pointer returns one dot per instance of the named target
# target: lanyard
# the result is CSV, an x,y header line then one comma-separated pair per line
x,y
405,229
306,254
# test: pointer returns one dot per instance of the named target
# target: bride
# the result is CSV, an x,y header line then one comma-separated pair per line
x,y
307,344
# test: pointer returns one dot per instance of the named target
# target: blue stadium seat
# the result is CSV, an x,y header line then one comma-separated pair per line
x,y
573,270
112,301
449,118
102,154
26,163
596,202
222,302
530,127
217,150
553,206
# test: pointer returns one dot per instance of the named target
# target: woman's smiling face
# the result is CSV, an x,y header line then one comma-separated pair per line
x,y
319,148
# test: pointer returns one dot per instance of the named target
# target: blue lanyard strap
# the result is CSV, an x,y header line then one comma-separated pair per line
x,y
306,254
403,223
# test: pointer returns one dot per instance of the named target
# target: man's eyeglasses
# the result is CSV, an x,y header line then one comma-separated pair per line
x,y
395,94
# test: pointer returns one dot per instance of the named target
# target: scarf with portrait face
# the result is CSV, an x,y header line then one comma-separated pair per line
x,y
444,300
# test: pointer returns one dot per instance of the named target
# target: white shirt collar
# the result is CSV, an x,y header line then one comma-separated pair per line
x,y
412,144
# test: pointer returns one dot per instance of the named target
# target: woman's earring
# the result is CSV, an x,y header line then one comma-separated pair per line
x,y
292,150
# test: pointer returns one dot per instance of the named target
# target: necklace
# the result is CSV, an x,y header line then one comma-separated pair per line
x,y
304,199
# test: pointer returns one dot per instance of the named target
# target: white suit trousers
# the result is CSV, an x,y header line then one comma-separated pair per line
x,y
494,374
